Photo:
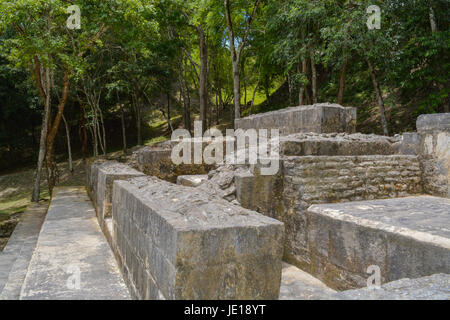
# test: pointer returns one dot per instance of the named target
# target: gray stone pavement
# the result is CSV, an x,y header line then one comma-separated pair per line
x,y
71,244
297,284
434,287
16,256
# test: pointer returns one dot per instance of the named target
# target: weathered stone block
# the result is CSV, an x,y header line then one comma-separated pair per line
x,y
434,130
191,180
319,118
157,161
405,237
433,122
196,246
107,173
336,144
435,287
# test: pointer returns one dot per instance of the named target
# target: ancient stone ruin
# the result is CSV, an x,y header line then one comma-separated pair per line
x,y
341,204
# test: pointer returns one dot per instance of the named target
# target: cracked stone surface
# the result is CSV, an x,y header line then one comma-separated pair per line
x,y
434,287
71,240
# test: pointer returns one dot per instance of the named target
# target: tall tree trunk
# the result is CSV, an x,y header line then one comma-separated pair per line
x,y
82,132
94,133
55,126
103,131
433,23
168,113
256,87
380,101
236,89
237,52
303,95
124,135
42,142
137,108
342,83
203,83
313,79
291,91
69,149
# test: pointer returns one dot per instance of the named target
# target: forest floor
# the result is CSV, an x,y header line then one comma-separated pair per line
x,y
16,189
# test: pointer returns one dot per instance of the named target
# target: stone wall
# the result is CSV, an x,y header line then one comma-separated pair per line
x,y
156,161
307,180
175,242
434,131
319,118
100,177
403,237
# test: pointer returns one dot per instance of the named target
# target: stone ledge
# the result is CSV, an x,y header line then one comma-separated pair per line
x,y
337,144
180,243
319,118
433,122
405,237
434,287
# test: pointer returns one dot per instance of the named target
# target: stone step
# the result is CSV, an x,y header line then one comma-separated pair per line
x,y
434,287
16,256
404,237
72,259
297,284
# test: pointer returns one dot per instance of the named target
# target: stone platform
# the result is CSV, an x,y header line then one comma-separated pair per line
x,y
406,237
70,241
435,287
318,118
177,242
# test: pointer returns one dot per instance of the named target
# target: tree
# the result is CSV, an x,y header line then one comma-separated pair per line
x,y
236,52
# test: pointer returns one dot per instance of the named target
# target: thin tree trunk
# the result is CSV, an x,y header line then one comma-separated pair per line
x,y
203,83
300,68
42,142
82,132
313,79
380,101
69,149
124,135
103,129
55,126
138,121
237,52
168,113
256,87
342,84
289,82
94,132
432,20
236,90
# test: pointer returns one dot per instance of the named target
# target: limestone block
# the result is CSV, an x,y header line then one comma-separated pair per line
x,y
319,118
337,144
191,180
433,122
404,237
157,161
105,174
178,242
434,287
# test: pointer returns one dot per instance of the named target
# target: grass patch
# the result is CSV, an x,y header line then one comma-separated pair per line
x,y
152,141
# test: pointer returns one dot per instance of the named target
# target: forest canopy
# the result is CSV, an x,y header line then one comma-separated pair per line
x,y
131,71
